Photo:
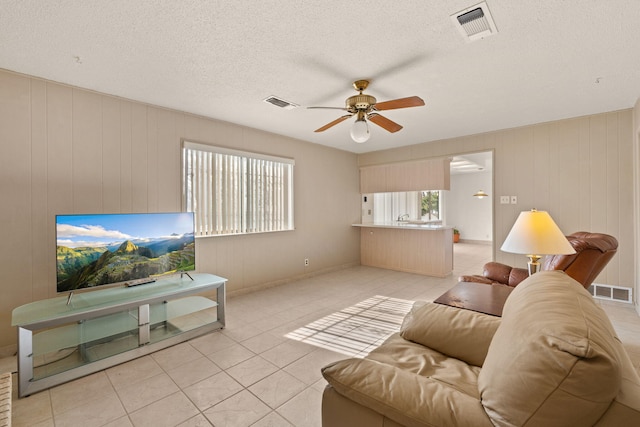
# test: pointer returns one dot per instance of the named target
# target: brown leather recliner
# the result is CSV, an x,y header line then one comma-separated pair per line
x,y
593,252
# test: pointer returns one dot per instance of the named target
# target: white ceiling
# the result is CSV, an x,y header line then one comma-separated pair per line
x,y
550,60
472,163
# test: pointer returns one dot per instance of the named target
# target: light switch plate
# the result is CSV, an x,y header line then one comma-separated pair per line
x,y
514,200
504,200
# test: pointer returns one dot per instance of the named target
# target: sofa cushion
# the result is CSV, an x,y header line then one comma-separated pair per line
x,y
554,358
427,362
408,399
458,333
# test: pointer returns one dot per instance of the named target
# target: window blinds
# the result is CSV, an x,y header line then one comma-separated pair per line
x,y
235,192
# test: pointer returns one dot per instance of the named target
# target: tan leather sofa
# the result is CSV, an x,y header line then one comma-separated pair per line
x,y
593,253
553,359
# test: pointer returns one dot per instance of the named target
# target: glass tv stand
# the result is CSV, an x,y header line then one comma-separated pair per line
x,y
64,338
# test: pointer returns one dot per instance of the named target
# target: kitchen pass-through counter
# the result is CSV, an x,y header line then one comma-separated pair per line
x,y
411,246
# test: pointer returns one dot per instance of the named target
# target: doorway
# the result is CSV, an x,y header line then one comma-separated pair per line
x,y
466,210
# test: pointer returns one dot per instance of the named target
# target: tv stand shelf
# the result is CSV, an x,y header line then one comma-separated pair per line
x,y
99,329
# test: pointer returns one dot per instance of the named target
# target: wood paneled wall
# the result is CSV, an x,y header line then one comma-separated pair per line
x,y
580,170
429,174
70,150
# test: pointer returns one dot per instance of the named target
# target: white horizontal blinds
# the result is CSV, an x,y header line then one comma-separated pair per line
x,y
234,192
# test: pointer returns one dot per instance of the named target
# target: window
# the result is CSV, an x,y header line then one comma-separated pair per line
x,y
430,205
412,205
236,192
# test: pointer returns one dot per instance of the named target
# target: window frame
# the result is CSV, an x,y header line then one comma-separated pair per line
x,y
248,165
397,204
425,193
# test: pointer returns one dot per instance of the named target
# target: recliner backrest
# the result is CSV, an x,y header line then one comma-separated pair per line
x,y
593,252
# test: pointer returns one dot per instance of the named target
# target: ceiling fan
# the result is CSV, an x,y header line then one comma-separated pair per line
x,y
365,107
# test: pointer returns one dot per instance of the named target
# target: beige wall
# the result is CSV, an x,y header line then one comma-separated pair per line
x,y
636,187
580,170
68,150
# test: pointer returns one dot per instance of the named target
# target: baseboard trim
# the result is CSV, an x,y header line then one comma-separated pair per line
x,y
279,282
476,242
9,350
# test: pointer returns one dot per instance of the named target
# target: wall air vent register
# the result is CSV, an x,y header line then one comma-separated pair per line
x,y
611,293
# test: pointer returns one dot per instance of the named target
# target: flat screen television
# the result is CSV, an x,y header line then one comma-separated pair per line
x,y
109,249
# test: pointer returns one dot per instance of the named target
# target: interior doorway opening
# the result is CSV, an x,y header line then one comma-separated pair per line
x,y
466,208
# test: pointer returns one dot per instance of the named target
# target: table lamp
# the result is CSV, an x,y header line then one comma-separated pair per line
x,y
535,234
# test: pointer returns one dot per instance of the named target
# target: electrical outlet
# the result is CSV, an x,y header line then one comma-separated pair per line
x,y
514,200
306,262
504,200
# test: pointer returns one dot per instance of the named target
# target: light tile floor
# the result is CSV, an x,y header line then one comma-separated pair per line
x,y
251,373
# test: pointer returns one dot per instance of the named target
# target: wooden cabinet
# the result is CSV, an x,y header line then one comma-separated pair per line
x,y
415,250
427,174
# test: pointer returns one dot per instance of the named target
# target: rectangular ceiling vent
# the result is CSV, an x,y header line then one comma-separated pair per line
x,y
279,102
475,22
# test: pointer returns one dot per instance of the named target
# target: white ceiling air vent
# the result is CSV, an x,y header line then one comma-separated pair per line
x,y
279,102
475,22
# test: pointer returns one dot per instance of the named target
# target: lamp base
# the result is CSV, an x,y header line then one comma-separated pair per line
x,y
533,264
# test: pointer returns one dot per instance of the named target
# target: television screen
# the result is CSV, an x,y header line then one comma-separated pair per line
x,y
104,249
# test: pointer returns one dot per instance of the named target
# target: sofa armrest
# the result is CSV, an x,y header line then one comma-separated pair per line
x,y
505,274
458,333
476,279
404,397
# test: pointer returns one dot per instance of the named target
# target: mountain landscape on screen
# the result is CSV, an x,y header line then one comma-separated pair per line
x,y
85,261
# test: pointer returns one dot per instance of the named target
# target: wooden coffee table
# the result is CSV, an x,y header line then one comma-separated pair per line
x,y
488,299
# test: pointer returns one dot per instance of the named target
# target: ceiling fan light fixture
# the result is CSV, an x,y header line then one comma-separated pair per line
x,y
360,131
365,107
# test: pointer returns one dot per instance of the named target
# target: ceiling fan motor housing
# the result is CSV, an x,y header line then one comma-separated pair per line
x,y
365,109
360,102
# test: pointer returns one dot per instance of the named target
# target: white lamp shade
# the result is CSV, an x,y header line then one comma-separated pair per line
x,y
535,233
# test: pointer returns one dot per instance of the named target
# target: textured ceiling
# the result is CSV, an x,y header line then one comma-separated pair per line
x,y
550,60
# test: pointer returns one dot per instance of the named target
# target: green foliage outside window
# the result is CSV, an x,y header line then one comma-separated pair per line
x,y
430,205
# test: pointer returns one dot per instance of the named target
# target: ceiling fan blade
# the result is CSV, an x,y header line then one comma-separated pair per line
x,y
385,123
412,101
333,123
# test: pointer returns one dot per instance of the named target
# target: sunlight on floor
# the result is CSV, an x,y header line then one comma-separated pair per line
x,y
356,330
